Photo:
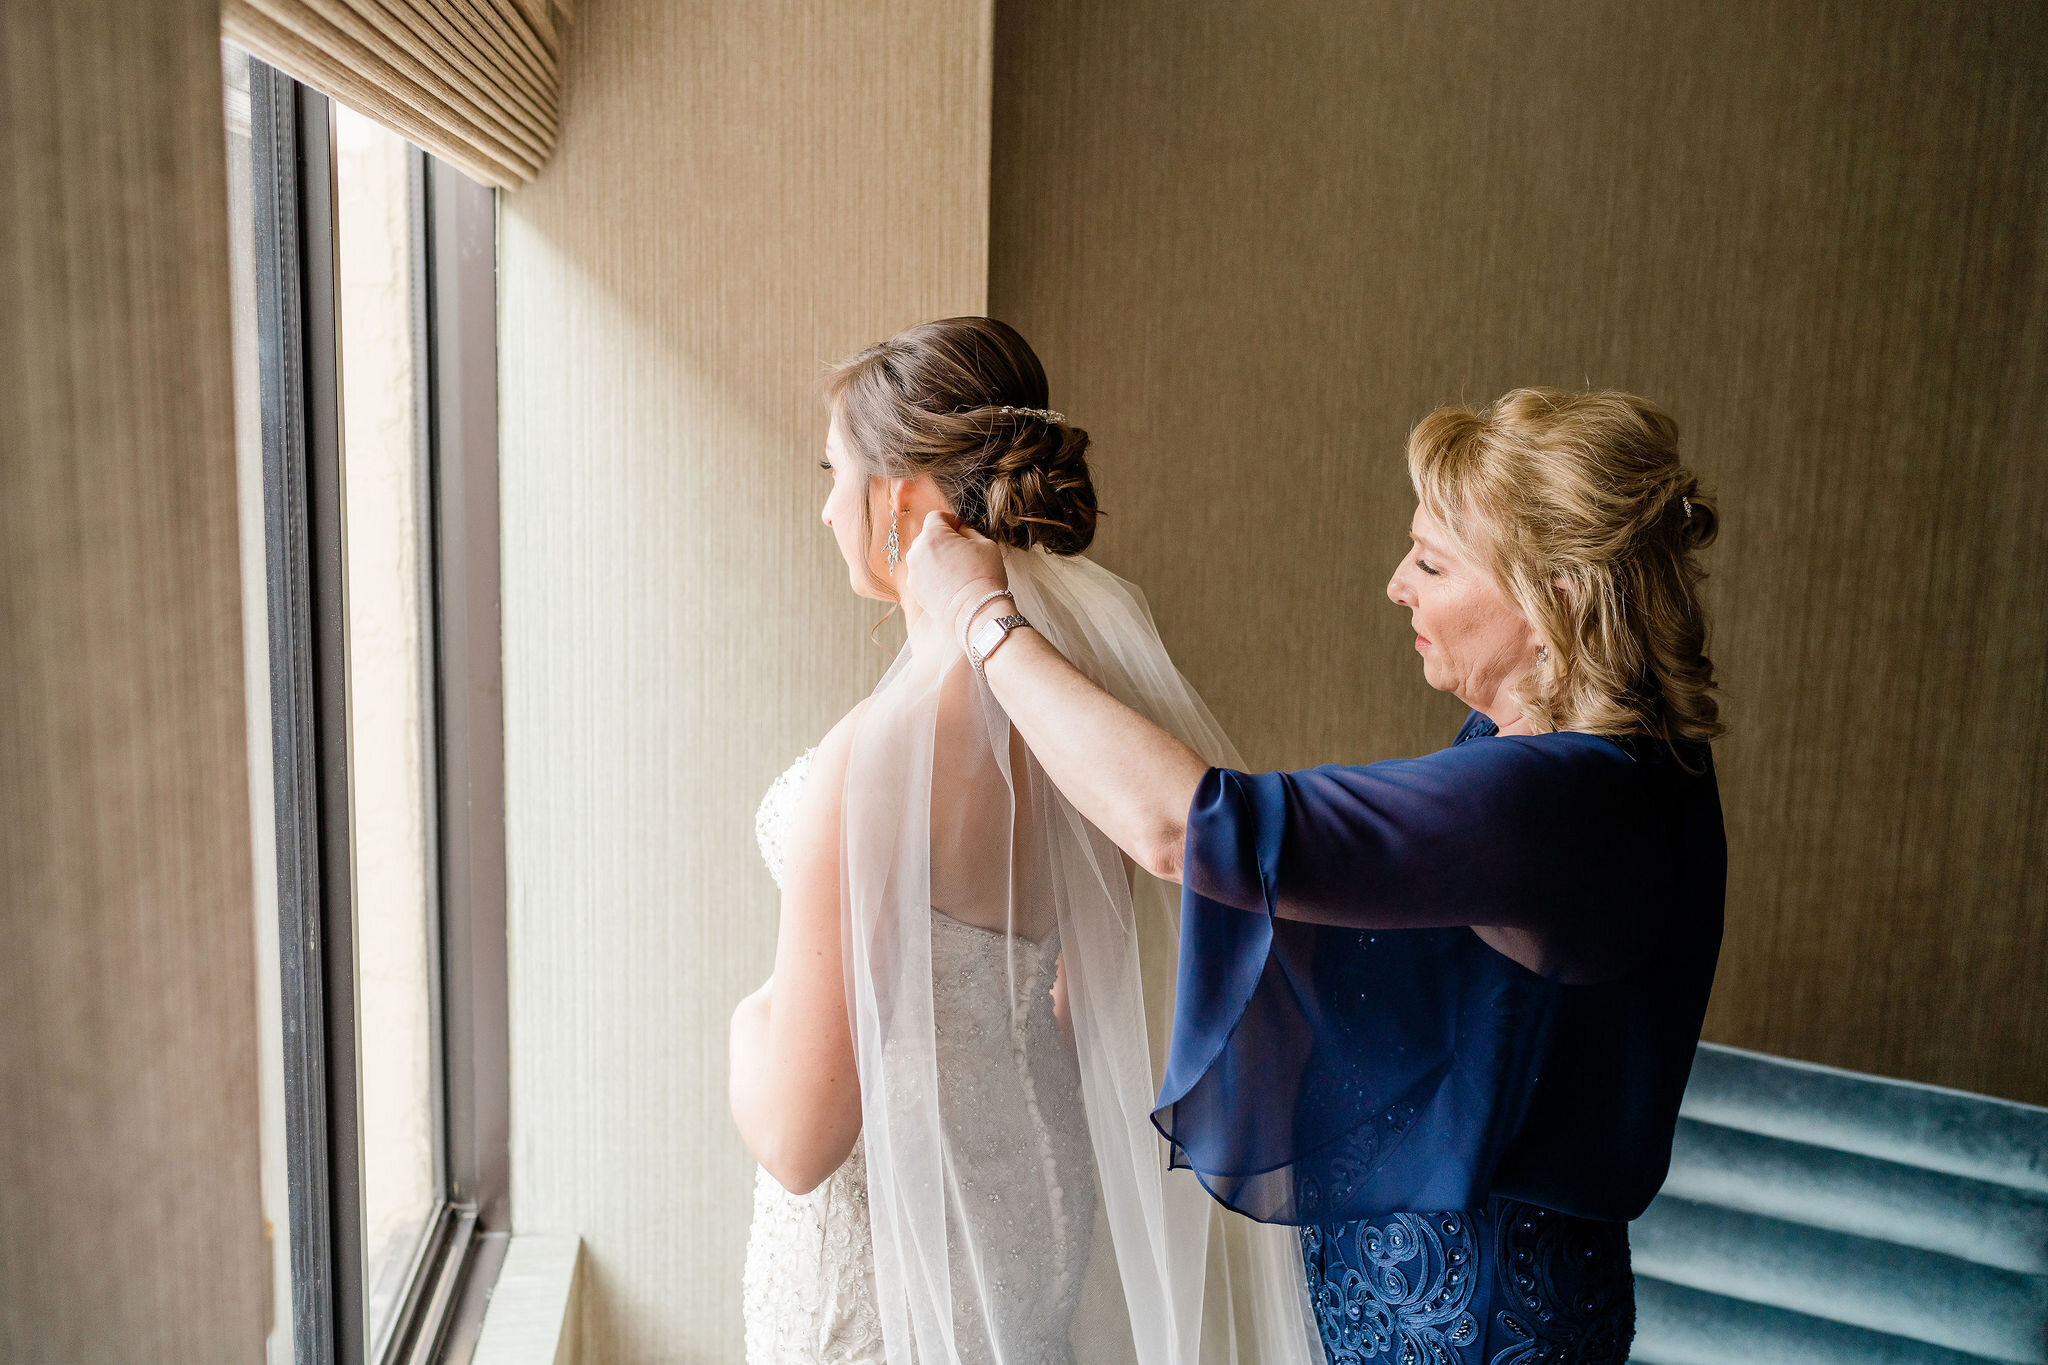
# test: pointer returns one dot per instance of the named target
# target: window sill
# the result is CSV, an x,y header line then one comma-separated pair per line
x,y
530,1318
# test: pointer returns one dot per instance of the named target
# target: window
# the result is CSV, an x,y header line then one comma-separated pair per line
x,y
366,419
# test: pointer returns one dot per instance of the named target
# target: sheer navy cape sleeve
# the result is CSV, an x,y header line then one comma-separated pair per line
x,y
1346,1046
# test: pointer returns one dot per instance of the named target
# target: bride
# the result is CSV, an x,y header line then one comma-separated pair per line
x,y
948,1078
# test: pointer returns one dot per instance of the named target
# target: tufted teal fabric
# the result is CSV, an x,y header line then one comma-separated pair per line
x,y
1822,1217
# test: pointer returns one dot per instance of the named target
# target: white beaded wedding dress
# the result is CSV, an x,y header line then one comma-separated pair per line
x,y
1009,1201
809,1287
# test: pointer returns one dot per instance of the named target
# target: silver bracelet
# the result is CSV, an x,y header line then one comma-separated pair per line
x,y
965,643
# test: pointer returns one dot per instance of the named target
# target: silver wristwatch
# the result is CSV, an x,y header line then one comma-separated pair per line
x,y
990,637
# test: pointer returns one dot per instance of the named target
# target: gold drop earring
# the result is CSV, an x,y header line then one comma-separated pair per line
x,y
894,549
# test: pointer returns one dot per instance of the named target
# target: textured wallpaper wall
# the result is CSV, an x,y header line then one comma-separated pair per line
x,y
741,194
1254,243
130,1222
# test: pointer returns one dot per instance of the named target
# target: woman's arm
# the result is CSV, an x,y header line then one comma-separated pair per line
x,y
1481,835
1125,775
794,1091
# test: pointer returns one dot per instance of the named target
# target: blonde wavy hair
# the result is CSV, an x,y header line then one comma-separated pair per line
x,y
1579,505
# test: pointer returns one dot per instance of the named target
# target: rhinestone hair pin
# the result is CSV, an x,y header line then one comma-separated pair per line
x,y
1043,414
1686,503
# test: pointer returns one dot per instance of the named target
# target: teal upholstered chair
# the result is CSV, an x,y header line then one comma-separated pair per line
x,y
1829,1218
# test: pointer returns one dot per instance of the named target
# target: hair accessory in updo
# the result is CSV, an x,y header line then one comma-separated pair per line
x,y
929,402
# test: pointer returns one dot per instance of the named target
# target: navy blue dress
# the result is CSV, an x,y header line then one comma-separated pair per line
x,y
1461,1139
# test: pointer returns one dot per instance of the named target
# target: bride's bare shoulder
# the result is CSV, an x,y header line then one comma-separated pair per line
x,y
830,757
840,736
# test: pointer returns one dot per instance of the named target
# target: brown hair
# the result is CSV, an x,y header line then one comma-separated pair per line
x,y
930,400
1580,506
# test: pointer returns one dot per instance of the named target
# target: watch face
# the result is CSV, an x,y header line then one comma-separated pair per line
x,y
991,634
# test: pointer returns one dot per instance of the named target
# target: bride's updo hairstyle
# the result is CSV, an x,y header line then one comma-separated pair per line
x,y
945,399
1579,505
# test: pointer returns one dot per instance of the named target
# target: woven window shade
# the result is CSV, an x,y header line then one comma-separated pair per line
x,y
472,81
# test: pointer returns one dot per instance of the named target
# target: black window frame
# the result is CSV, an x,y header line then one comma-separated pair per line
x,y
298,360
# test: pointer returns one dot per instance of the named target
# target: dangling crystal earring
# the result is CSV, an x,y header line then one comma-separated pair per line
x,y
894,552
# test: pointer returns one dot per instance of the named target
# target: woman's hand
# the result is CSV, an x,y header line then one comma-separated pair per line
x,y
951,568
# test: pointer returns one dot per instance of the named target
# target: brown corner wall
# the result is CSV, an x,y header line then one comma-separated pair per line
x,y
1254,243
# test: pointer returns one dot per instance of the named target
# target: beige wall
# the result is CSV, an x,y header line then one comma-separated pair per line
x,y
1254,243
741,193
130,1226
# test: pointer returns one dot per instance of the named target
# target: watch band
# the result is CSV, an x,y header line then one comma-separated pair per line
x,y
967,631
990,638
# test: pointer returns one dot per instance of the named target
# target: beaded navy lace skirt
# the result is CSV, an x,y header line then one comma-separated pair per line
x,y
1508,1283
1348,1051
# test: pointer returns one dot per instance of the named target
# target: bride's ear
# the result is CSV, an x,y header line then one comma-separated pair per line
x,y
917,495
888,499
889,494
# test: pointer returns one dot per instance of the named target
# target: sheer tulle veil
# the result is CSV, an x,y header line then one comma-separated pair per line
x,y
949,822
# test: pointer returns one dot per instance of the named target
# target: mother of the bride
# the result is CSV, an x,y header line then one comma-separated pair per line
x,y
1439,1011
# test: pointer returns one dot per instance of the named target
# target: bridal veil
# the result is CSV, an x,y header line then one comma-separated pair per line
x,y
1034,1184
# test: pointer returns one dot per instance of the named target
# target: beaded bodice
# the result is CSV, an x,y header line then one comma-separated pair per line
x,y
1016,1138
